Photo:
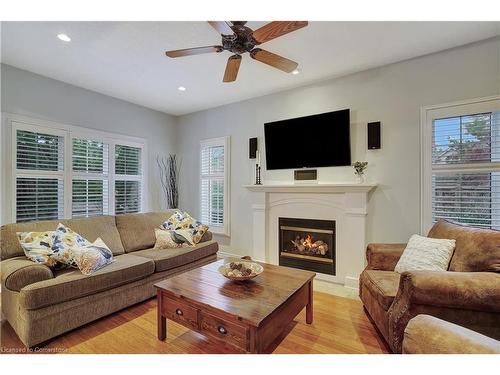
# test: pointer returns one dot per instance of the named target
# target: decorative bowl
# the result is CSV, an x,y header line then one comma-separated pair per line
x,y
240,270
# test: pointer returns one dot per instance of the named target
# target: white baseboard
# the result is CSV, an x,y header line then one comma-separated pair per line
x,y
351,282
223,254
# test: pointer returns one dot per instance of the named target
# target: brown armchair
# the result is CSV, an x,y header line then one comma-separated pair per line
x,y
468,294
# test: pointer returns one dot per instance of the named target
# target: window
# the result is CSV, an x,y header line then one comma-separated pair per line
x,y
462,172
128,177
214,173
40,175
90,178
63,172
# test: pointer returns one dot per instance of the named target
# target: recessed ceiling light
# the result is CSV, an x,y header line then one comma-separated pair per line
x,y
64,37
181,88
295,72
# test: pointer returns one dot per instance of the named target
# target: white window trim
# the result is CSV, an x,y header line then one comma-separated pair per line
x,y
69,132
226,142
427,116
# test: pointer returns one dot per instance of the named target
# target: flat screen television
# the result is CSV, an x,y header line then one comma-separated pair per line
x,y
321,140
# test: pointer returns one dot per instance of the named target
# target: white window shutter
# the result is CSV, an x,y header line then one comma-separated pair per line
x,y
214,172
90,183
39,198
127,197
90,156
127,160
39,152
128,194
465,169
62,171
39,179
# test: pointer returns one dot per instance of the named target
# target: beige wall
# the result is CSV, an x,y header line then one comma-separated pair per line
x,y
392,94
39,97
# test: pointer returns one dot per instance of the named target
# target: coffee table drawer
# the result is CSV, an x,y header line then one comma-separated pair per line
x,y
180,312
233,334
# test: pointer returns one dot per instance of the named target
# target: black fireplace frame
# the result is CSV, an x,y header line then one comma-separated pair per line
x,y
308,264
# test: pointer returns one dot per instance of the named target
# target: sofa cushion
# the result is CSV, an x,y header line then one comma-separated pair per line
x,y
137,231
166,259
89,228
383,285
70,284
476,249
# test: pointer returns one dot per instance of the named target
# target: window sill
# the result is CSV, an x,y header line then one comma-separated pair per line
x,y
219,232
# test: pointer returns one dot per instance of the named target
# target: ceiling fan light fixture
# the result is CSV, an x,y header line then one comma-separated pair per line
x,y
64,37
181,88
239,39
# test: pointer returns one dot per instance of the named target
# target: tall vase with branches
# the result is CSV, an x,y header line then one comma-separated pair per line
x,y
169,178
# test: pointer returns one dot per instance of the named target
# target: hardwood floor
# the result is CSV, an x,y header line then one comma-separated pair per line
x,y
340,326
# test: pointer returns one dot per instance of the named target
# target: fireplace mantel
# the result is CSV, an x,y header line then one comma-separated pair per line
x,y
341,187
345,202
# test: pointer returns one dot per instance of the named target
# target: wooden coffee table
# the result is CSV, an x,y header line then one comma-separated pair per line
x,y
248,315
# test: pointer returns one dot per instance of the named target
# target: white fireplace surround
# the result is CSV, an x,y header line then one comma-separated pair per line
x,y
346,203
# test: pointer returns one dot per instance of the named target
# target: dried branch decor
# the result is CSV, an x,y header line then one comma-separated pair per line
x,y
169,178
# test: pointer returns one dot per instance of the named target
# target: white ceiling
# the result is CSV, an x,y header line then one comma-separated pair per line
x,y
126,59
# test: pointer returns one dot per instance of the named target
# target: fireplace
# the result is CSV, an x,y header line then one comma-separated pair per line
x,y
307,244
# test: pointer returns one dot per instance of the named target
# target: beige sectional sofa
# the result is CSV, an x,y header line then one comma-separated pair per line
x,y
40,303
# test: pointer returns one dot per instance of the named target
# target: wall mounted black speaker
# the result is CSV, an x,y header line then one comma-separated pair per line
x,y
252,147
373,135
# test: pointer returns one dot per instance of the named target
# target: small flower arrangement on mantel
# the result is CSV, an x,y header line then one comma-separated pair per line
x,y
359,170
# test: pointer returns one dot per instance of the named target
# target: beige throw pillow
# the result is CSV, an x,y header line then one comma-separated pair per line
x,y
425,254
169,239
92,257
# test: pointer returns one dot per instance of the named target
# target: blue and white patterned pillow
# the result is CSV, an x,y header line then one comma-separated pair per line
x,y
37,247
186,226
175,221
63,239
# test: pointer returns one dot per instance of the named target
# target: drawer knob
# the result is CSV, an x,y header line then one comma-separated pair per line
x,y
179,312
222,330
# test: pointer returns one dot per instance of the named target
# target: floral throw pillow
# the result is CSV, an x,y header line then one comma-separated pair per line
x,y
92,257
63,239
178,220
198,232
183,221
37,247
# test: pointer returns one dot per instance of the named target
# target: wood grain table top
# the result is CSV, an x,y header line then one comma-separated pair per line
x,y
250,301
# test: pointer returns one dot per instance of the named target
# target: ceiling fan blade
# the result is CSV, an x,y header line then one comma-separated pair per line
x,y
222,27
193,51
232,67
273,60
275,29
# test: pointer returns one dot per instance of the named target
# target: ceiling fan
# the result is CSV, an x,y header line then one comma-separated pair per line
x,y
238,39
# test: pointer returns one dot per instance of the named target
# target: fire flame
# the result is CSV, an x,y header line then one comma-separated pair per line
x,y
308,241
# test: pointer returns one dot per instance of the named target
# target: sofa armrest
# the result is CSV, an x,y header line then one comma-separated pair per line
x,y
461,290
16,273
426,334
383,256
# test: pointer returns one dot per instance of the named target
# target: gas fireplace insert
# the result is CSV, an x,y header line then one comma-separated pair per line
x,y
307,244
